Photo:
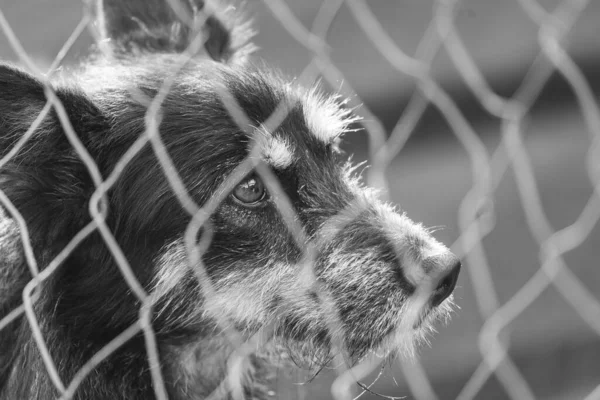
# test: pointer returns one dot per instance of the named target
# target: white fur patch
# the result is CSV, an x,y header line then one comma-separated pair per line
x,y
324,116
247,297
171,268
241,295
275,151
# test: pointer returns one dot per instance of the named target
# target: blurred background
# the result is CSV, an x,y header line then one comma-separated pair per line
x,y
554,349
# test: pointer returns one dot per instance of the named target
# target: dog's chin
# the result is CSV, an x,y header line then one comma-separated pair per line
x,y
431,315
412,332
400,341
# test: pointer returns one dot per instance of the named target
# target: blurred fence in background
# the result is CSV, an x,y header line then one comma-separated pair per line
x,y
501,149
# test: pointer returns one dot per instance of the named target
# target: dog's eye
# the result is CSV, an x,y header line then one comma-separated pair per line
x,y
250,192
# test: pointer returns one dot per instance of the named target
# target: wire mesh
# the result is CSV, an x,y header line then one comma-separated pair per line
x,y
476,213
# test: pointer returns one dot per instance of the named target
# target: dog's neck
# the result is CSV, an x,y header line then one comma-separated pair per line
x,y
193,371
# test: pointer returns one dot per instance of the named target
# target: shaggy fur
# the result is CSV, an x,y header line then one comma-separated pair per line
x,y
386,277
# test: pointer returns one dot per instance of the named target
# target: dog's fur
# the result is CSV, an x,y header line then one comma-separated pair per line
x,y
380,269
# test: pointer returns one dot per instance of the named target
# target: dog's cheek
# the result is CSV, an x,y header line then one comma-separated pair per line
x,y
250,295
244,293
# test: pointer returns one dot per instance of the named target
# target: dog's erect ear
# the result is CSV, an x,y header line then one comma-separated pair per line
x,y
170,26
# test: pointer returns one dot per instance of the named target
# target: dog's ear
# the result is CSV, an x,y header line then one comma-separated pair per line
x,y
170,26
46,179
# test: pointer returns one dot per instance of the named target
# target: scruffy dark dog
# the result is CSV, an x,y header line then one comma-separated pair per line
x,y
387,277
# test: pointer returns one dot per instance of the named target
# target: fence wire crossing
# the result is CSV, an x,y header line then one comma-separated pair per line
x,y
476,214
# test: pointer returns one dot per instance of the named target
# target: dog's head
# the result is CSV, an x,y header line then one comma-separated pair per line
x,y
343,269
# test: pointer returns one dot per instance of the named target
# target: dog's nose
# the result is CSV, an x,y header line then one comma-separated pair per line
x,y
447,281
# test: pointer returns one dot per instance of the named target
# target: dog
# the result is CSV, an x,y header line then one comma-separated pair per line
x,y
376,280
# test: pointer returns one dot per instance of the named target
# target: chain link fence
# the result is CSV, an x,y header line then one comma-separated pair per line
x,y
476,214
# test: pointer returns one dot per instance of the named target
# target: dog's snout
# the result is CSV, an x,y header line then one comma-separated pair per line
x,y
447,281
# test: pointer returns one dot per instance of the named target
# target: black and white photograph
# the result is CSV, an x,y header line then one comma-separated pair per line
x,y
299,199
